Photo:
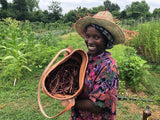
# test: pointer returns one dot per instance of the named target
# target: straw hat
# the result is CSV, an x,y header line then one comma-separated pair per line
x,y
104,19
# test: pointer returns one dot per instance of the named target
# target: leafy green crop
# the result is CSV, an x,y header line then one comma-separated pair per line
x,y
131,68
12,44
23,50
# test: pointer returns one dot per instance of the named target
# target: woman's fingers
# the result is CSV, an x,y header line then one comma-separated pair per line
x,y
65,103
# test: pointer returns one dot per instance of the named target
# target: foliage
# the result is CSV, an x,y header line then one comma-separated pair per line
x,y
94,10
122,88
82,11
29,10
137,9
76,14
13,59
55,10
32,5
153,82
21,49
70,16
148,41
129,22
131,68
36,16
156,12
111,6
20,8
73,40
157,98
4,4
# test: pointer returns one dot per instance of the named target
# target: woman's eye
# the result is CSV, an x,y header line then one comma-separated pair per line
x,y
87,36
96,37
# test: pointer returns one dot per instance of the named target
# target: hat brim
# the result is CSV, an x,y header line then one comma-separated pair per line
x,y
113,28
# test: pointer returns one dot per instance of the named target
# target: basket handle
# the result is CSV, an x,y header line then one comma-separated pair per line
x,y
68,50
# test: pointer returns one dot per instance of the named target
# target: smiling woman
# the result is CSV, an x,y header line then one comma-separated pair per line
x,y
94,40
98,98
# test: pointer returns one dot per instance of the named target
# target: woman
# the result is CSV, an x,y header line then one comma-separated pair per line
x,y
99,96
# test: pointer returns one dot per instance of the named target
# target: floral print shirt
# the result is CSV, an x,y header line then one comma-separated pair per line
x,y
101,86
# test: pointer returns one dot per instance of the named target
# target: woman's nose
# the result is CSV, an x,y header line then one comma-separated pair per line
x,y
90,40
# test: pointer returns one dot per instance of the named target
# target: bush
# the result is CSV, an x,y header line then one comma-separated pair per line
x,y
131,68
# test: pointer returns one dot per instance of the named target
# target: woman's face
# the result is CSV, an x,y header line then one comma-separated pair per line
x,y
95,41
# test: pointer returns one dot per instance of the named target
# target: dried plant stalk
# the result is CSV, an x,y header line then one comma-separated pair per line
x,y
64,79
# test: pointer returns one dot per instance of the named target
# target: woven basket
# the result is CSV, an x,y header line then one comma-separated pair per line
x,y
77,56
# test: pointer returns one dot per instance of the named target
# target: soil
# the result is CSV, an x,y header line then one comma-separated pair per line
x,y
134,108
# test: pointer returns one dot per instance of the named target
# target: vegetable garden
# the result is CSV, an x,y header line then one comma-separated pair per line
x,y
26,49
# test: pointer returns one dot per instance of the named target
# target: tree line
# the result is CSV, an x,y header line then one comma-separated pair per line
x,y
29,10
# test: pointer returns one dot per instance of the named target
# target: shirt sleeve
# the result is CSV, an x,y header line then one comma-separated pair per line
x,y
104,93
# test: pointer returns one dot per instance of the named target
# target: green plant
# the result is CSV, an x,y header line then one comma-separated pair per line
x,y
13,59
122,86
22,49
131,68
148,41
157,98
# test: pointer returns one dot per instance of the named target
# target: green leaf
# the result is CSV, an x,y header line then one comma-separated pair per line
x,y
3,47
23,66
9,57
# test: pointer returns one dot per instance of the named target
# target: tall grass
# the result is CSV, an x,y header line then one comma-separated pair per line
x,y
147,42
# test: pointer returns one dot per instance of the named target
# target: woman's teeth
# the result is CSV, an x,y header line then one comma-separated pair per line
x,y
91,47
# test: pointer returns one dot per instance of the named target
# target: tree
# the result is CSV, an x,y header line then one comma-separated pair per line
x,y
55,11
111,6
116,14
81,12
107,4
156,12
94,10
123,14
137,9
36,16
3,9
20,9
20,5
32,4
70,16
115,7
4,4
45,16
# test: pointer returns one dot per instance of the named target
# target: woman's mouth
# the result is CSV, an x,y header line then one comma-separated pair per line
x,y
91,48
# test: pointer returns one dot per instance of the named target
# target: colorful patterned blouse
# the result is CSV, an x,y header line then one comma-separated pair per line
x,y
101,86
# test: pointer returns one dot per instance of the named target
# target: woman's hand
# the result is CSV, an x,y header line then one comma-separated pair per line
x,y
87,105
65,103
